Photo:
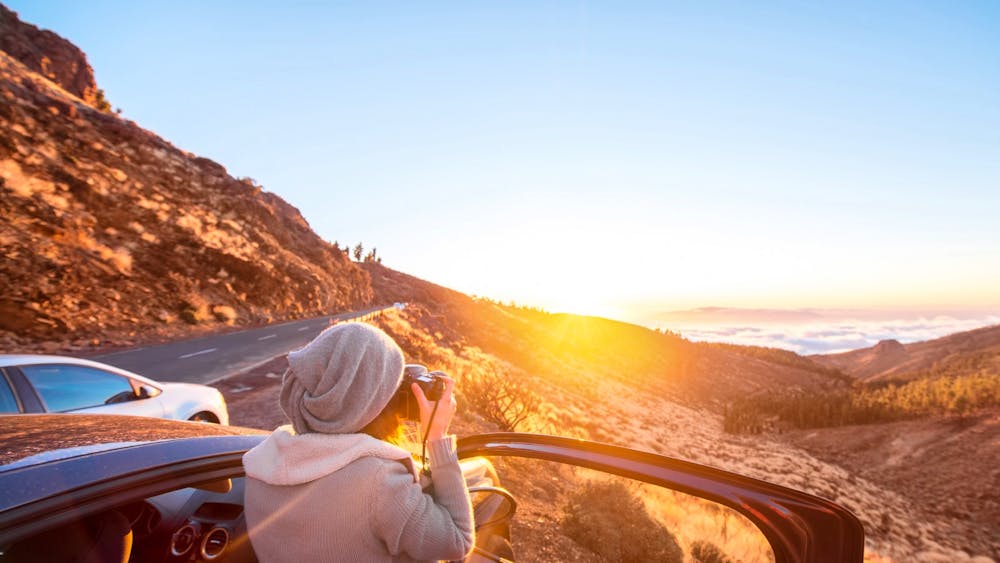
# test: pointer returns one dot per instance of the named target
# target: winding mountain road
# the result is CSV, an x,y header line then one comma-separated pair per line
x,y
207,359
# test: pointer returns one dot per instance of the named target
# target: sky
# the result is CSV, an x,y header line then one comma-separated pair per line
x,y
610,158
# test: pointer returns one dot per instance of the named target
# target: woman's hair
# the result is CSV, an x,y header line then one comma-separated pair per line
x,y
389,425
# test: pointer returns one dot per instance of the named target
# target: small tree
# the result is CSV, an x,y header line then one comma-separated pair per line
x,y
500,398
357,252
102,103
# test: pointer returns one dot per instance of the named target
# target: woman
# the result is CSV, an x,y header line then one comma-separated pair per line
x,y
329,487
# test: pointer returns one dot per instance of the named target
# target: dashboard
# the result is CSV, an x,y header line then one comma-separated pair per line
x,y
191,525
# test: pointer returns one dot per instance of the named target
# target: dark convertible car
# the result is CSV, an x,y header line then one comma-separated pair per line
x,y
98,488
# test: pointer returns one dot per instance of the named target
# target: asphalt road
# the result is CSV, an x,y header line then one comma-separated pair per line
x,y
206,359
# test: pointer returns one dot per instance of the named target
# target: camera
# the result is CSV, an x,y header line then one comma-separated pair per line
x,y
429,382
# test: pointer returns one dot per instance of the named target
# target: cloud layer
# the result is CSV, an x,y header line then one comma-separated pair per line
x,y
833,335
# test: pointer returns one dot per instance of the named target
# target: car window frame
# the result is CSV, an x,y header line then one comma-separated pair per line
x,y
13,391
30,401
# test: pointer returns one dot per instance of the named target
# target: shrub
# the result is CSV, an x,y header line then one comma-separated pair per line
x,y
707,552
101,102
500,398
224,313
193,309
606,518
190,316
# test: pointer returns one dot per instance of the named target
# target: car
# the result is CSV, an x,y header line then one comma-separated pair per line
x,y
37,383
143,489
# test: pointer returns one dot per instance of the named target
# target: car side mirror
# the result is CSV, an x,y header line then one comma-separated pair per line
x,y
491,506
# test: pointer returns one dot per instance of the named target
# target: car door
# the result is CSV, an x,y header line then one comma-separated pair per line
x,y
583,501
77,388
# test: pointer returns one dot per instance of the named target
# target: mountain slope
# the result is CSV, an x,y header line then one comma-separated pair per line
x,y
110,230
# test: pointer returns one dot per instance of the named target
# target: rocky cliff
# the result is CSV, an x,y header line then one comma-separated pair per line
x,y
49,55
109,231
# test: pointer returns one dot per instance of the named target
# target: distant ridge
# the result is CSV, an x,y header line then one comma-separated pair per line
x,y
963,353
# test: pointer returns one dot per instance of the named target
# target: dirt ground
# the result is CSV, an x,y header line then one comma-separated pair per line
x,y
946,466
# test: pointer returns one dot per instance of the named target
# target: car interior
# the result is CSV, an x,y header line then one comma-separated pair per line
x,y
206,523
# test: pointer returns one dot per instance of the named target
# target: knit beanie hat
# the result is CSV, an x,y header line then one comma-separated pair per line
x,y
342,380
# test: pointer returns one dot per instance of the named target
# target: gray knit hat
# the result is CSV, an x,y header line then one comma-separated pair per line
x,y
342,380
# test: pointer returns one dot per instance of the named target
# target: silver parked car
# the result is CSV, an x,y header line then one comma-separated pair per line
x,y
37,384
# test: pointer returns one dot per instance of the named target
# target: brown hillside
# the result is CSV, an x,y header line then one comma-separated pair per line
x,y
110,230
546,343
965,353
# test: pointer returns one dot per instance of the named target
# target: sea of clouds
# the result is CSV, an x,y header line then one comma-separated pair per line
x,y
830,335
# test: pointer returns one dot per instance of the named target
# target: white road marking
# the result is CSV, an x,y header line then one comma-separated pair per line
x,y
208,351
269,336
123,352
240,389
305,328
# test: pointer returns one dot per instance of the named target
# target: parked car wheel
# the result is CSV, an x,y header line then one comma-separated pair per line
x,y
204,417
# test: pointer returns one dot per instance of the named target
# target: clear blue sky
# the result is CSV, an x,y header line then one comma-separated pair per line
x,y
596,157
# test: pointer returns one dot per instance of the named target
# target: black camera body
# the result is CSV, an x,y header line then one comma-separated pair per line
x,y
429,382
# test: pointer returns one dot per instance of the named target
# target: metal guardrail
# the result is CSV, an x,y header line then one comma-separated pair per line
x,y
372,315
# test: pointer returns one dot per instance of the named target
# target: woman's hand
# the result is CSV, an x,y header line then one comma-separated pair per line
x,y
437,428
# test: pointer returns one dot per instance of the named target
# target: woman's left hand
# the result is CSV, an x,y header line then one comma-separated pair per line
x,y
437,428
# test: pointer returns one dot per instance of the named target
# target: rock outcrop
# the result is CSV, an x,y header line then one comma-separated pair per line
x,y
49,55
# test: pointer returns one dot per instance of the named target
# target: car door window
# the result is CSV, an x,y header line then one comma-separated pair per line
x,y
65,387
7,401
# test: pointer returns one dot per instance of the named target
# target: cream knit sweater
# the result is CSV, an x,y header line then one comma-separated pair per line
x,y
350,497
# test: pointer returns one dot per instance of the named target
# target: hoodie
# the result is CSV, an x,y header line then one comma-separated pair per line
x,y
351,497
